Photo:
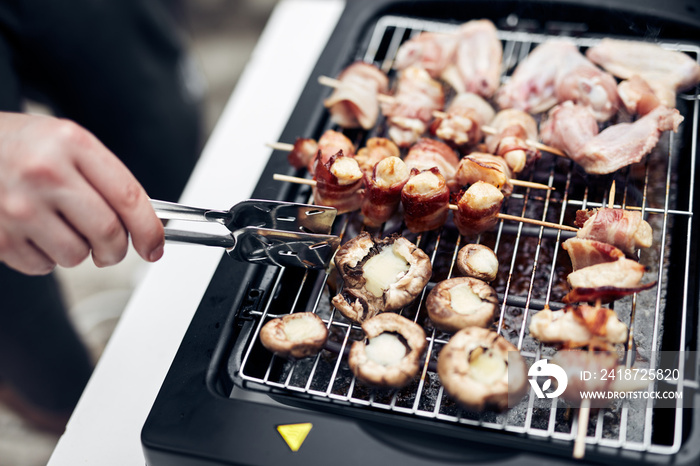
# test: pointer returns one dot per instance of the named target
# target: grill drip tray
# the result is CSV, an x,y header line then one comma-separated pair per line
x,y
231,419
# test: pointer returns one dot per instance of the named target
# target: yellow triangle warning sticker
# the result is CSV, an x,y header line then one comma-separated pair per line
x,y
294,434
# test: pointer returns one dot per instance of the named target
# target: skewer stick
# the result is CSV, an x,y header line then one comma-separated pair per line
x,y
580,442
286,147
490,130
283,146
308,182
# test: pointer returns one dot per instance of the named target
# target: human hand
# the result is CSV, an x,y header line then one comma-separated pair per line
x,y
64,195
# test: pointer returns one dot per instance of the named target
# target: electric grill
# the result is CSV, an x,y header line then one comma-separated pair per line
x,y
227,400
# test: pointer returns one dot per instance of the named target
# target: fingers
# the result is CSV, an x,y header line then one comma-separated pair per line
x,y
123,194
23,256
88,213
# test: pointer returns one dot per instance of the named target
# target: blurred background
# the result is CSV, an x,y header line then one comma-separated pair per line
x,y
221,35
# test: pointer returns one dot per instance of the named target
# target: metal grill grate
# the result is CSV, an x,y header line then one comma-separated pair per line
x,y
532,275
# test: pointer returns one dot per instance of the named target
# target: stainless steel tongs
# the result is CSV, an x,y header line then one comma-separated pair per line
x,y
285,234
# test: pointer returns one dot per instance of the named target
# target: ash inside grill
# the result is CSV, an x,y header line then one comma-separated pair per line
x,y
532,275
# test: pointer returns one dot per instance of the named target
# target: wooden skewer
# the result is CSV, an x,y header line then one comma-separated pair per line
x,y
490,130
308,182
286,147
580,442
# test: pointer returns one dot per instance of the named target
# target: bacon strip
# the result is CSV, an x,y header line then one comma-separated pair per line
x,y
622,228
383,190
411,109
375,150
338,182
354,103
465,116
425,199
587,252
303,153
606,282
491,169
428,153
513,128
577,326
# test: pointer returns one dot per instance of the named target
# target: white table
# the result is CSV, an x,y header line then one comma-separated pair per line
x,y
106,425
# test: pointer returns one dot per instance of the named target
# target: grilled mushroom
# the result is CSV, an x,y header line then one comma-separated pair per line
x,y
390,354
379,275
298,335
478,261
461,302
476,370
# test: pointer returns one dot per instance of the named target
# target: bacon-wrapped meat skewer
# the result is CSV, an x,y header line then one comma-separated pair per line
x,y
578,326
624,229
491,169
303,154
462,122
411,109
425,199
428,153
337,182
354,102
382,193
601,272
478,209
511,129
375,150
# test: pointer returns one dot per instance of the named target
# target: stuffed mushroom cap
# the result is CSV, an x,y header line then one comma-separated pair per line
x,y
297,335
478,261
474,370
460,302
390,354
379,275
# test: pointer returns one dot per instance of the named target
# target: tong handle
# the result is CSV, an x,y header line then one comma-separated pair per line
x,y
174,211
205,239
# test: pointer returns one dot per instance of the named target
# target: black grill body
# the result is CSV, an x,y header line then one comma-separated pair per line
x,y
209,412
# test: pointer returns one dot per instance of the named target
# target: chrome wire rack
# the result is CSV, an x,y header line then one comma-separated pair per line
x,y
532,275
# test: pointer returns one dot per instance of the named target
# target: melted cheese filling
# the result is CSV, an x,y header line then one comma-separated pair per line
x,y
383,270
463,300
385,349
300,329
485,366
